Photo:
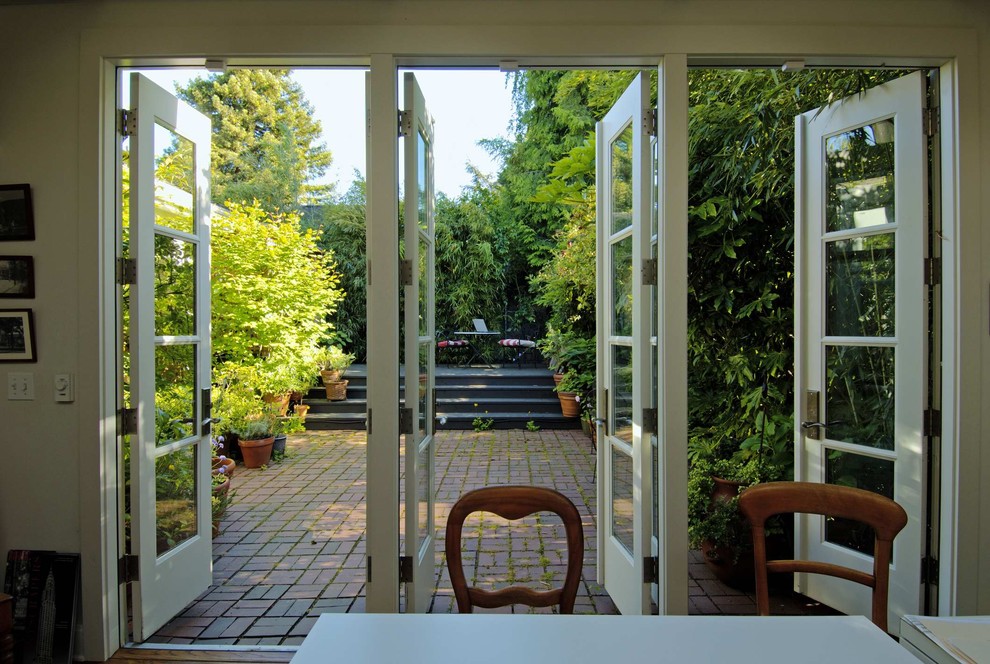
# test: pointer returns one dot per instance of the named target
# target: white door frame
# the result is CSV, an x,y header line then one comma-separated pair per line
x,y
100,51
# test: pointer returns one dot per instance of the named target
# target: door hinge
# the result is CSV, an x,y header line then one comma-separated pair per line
x,y
405,272
650,122
367,425
930,121
128,122
651,569
128,424
405,123
650,272
405,420
932,426
368,561
405,569
126,271
650,420
127,569
933,271
929,570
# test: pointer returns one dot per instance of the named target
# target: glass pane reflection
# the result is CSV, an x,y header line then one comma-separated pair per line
x,y
621,395
175,287
859,166
861,472
175,498
622,179
622,284
859,400
175,181
622,498
859,286
175,392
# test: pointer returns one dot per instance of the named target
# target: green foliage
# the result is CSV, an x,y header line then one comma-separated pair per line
x,y
482,424
531,425
273,291
333,359
469,258
340,228
265,139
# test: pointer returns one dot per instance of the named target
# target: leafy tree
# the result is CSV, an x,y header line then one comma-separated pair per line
x,y
340,227
265,141
273,291
469,263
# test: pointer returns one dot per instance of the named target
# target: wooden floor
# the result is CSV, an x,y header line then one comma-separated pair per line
x,y
142,655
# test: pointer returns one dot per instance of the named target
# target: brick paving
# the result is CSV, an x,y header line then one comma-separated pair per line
x,y
292,544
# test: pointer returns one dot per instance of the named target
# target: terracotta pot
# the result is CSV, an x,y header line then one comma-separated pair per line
x,y
281,399
336,391
330,376
731,567
301,410
229,466
222,488
557,377
257,453
568,404
216,528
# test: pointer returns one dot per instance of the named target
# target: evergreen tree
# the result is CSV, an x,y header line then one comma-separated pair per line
x,y
265,140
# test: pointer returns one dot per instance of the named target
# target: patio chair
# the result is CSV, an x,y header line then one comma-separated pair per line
x,y
454,345
521,346
514,502
886,517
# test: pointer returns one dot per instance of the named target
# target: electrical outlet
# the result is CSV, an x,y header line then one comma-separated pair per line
x,y
63,388
20,386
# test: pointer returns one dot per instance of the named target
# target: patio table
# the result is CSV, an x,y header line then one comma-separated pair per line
x,y
483,341
595,639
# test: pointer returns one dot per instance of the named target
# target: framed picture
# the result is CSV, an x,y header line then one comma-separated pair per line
x,y
17,336
16,276
16,215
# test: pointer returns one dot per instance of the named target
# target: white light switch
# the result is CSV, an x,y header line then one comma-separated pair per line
x,y
63,388
20,386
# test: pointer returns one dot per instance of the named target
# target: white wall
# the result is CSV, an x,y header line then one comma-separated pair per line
x,y
51,469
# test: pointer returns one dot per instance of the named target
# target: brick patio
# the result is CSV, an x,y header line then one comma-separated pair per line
x,y
292,544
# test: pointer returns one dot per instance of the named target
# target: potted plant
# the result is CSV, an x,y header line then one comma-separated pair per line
x,y
572,357
332,362
256,437
283,427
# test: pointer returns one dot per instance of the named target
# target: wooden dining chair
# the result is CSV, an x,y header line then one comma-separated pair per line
x,y
514,502
886,517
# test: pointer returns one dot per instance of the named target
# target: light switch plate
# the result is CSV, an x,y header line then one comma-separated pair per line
x,y
20,386
64,391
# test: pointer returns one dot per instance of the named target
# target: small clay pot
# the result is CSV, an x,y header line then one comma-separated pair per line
x,y
257,453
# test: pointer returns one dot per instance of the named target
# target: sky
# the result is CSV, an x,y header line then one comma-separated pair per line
x,y
466,105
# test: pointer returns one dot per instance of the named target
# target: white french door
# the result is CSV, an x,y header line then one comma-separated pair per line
x,y
169,337
861,329
641,183
624,183
419,341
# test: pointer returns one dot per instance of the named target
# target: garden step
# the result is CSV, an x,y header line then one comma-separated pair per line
x,y
479,405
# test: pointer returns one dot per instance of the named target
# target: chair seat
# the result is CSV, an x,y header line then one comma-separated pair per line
x,y
452,343
517,343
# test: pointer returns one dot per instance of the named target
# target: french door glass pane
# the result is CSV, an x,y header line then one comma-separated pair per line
x,y
175,181
621,394
622,184
175,286
861,472
175,392
421,147
859,167
175,498
859,400
423,490
859,286
424,286
622,283
622,498
422,396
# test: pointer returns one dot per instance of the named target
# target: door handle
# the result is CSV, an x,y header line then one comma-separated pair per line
x,y
820,425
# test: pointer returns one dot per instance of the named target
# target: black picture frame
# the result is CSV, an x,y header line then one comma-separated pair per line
x,y
16,213
17,277
17,336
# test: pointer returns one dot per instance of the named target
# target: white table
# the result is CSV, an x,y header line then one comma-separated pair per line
x,y
589,639
947,640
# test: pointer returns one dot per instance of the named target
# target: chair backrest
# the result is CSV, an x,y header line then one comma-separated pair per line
x,y
514,502
887,518
479,325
